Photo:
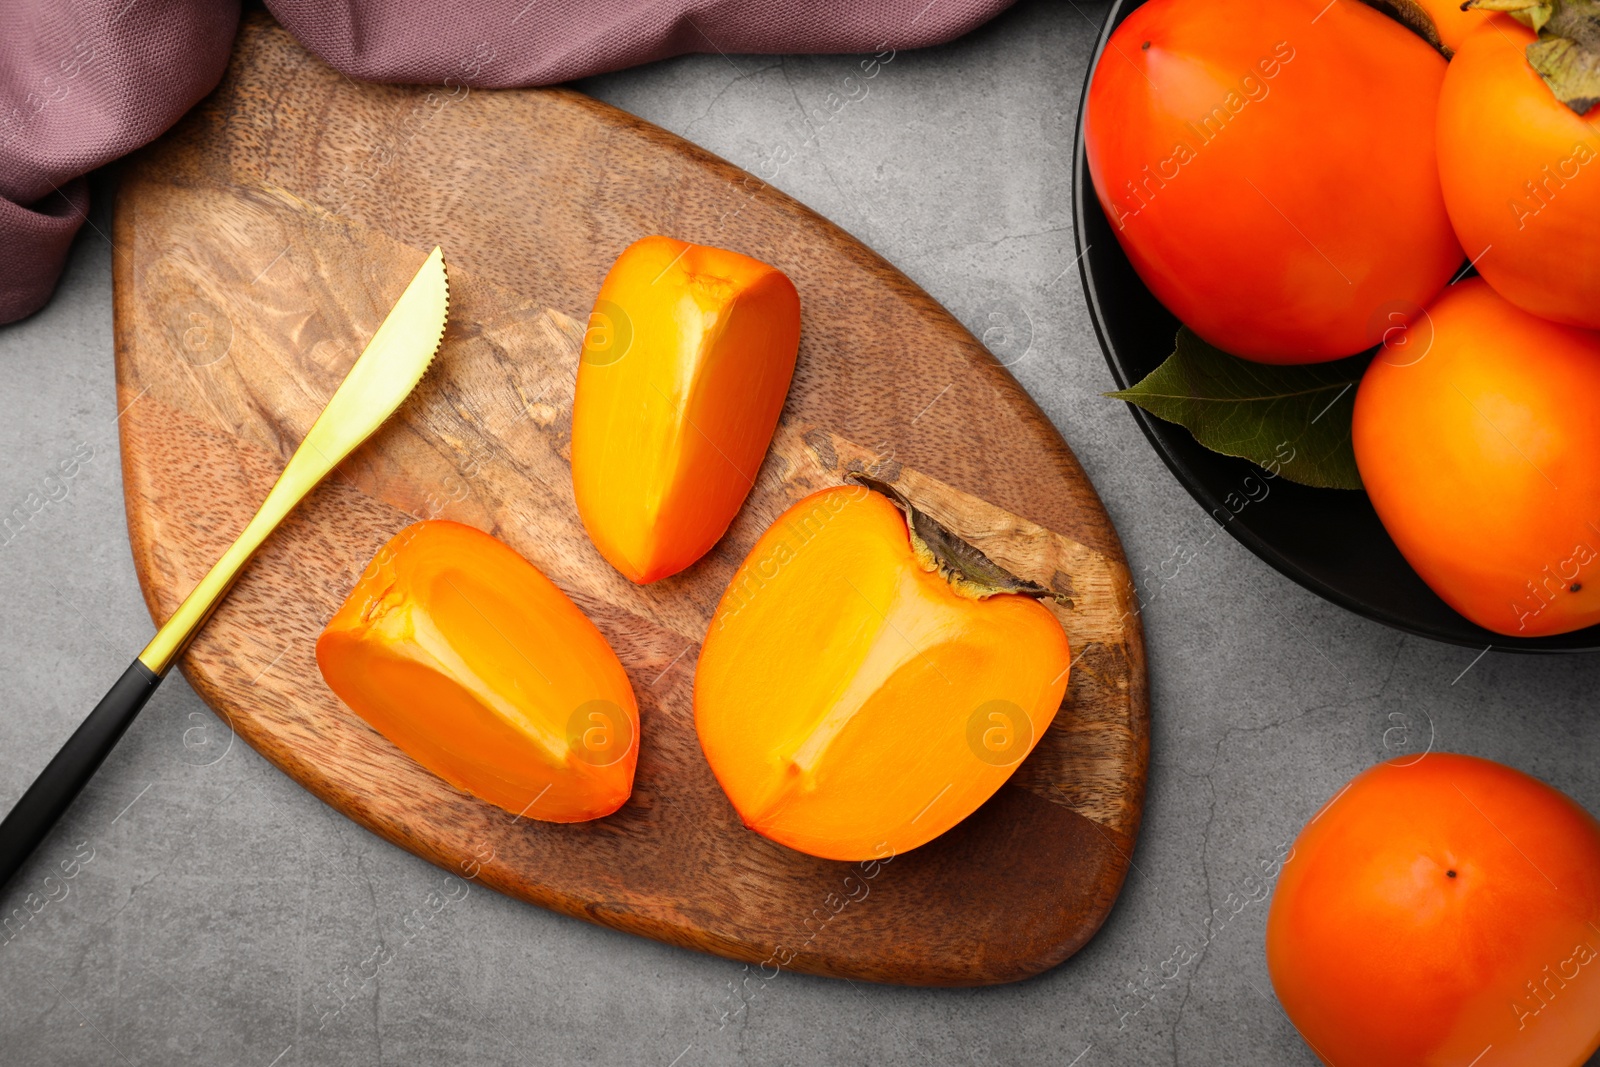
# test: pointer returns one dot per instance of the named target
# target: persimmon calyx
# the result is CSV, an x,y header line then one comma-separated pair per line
x,y
971,574
1567,53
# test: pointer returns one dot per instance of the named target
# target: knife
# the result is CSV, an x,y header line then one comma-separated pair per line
x,y
383,376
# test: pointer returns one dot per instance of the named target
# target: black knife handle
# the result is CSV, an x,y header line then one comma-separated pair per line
x,y
53,791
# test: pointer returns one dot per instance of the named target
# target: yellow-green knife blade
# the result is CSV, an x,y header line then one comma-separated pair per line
x,y
384,375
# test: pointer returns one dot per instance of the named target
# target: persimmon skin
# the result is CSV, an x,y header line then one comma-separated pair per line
x,y
684,373
1381,957
853,706
1521,177
1451,23
1482,457
1232,145
476,665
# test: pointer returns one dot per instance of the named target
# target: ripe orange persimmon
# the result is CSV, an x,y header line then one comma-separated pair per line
x,y
862,689
1521,177
1442,910
460,652
1269,169
684,372
1482,458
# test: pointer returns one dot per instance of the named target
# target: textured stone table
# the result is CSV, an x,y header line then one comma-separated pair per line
x,y
220,915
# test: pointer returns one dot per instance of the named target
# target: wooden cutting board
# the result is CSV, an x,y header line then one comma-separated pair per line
x,y
262,241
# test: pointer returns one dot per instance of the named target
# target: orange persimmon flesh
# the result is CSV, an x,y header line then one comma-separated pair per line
x,y
470,660
685,368
851,702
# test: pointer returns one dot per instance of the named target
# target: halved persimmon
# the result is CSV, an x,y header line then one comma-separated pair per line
x,y
685,368
474,663
864,686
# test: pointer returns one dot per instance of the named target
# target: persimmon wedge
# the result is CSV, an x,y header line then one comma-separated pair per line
x,y
866,684
475,664
685,368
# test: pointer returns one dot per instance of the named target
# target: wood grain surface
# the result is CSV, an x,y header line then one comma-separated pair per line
x,y
261,242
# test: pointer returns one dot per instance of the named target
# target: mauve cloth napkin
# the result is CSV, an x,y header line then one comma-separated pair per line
x,y
85,81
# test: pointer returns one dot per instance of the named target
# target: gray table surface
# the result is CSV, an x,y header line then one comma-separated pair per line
x,y
227,917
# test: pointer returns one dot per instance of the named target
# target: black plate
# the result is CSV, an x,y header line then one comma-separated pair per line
x,y
1328,540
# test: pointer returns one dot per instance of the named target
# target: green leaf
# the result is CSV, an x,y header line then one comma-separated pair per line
x,y
1290,420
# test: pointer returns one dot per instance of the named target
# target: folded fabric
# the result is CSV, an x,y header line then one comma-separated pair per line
x,y
83,82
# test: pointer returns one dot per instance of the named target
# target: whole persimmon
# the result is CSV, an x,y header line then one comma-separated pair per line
x,y
1479,449
1442,910
1521,177
1269,169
